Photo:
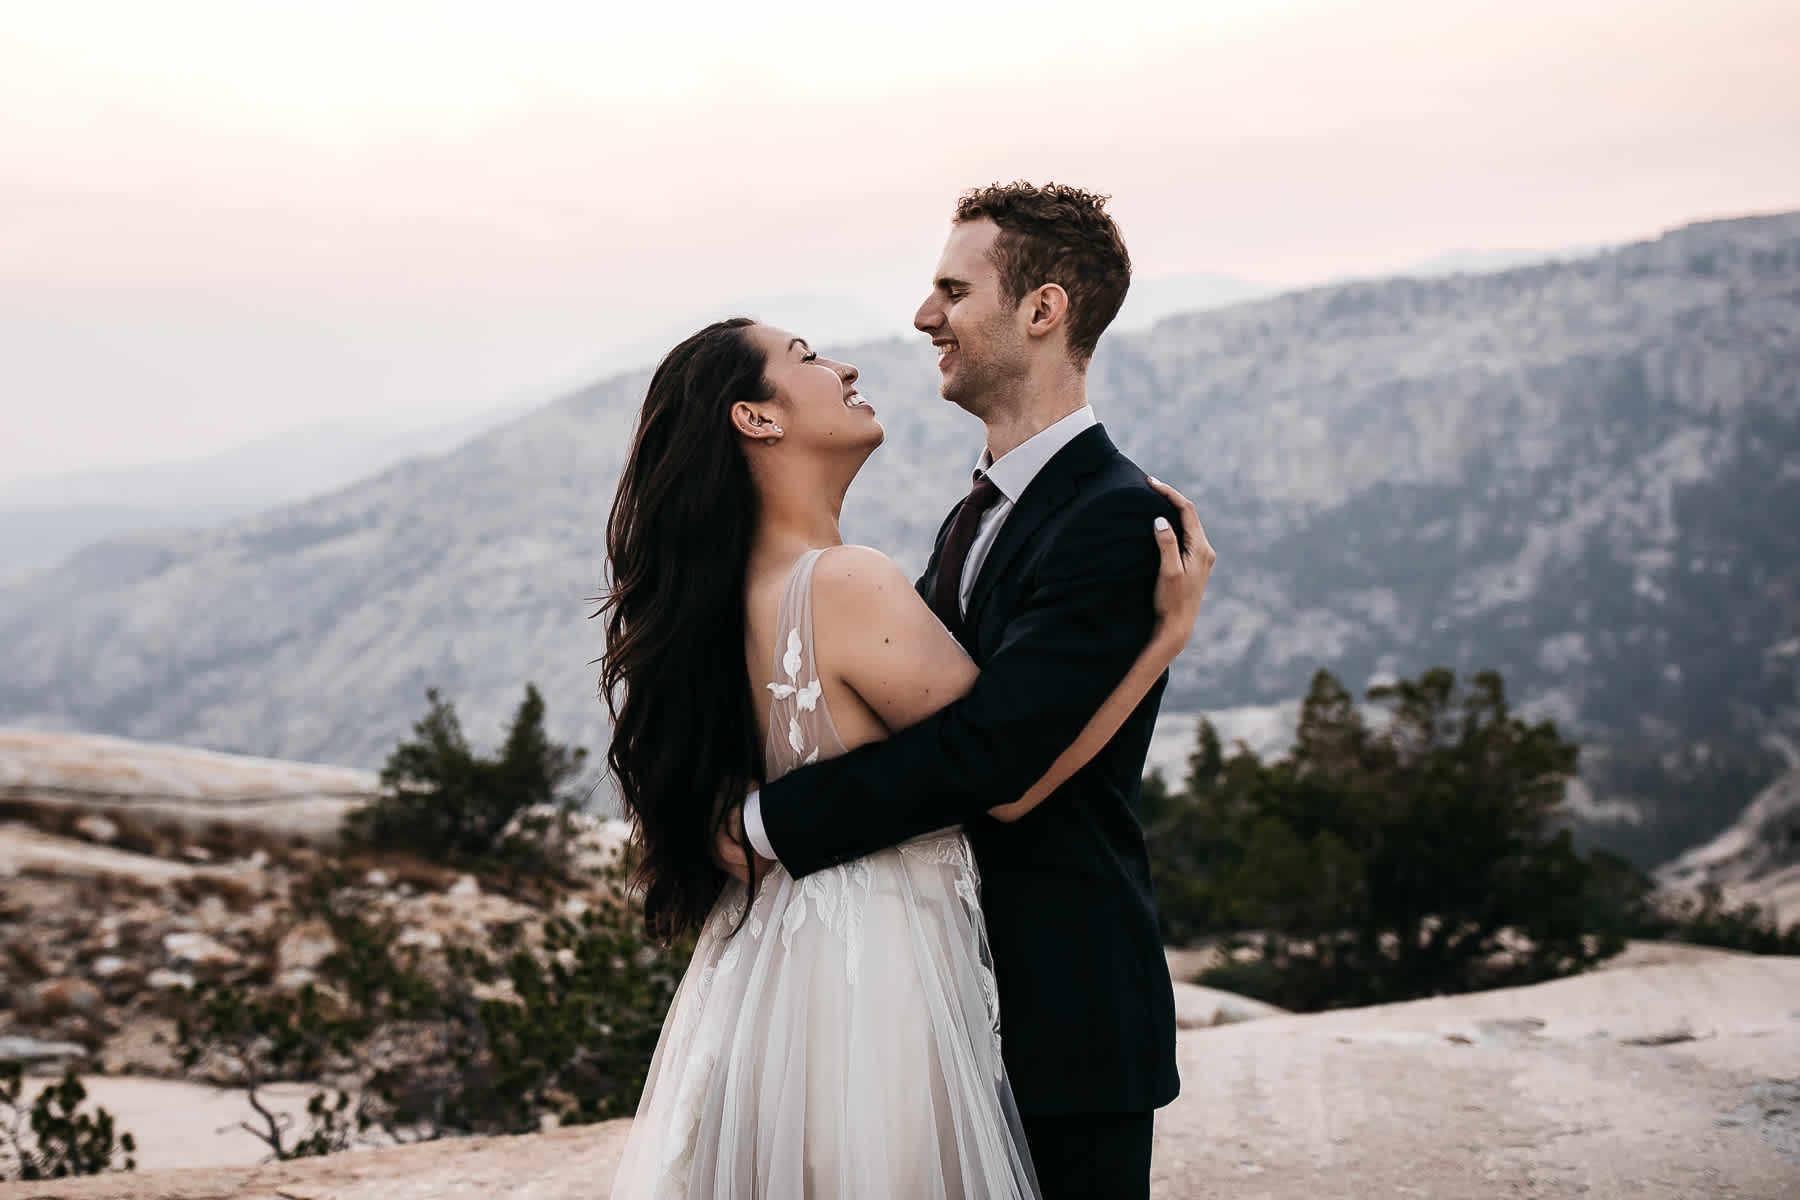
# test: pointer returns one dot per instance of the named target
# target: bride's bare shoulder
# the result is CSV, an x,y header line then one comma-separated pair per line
x,y
882,639
863,588
857,574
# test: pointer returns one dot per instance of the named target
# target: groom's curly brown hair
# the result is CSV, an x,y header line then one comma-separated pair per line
x,y
1056,234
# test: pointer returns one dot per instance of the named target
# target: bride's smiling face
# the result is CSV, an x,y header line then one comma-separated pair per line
x,y
817,397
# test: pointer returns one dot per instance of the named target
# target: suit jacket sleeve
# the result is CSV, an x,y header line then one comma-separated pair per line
x,y
1087,617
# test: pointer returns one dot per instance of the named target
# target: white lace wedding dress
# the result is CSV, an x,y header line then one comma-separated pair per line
x,y
845,1042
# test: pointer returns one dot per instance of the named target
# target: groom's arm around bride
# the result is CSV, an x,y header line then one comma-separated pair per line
x,y
1046,666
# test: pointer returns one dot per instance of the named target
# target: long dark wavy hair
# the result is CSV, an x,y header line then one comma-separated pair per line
x,y
685,739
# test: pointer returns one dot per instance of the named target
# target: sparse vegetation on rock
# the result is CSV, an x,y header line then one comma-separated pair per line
x,y
1706,918
422,1037
549,1013
53,1138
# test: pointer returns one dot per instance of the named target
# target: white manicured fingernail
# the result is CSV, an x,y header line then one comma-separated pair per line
x,y
1154,481
1162,524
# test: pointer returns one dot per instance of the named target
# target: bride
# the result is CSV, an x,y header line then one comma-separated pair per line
x,y
839,1035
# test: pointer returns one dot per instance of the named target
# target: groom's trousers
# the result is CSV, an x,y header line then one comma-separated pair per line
x,y
1099,1156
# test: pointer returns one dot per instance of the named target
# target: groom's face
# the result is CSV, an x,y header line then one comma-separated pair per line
x,y
971,322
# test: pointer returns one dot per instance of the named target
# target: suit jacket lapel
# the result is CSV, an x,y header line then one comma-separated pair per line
x,y
1052,488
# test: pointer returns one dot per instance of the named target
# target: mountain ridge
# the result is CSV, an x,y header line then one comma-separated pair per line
x,y
1562,470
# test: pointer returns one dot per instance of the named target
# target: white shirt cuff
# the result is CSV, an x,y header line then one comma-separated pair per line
x,y
753,824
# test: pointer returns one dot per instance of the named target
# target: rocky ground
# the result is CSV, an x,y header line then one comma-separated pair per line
x,y
1673,1073
1672,1076
131,871
96,941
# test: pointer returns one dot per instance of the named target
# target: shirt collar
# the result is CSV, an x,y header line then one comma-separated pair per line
x,y
1017,468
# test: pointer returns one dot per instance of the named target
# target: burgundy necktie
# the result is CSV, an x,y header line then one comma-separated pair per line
x,y
946,591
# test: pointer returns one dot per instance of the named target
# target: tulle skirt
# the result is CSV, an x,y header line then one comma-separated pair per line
x,y
843,1043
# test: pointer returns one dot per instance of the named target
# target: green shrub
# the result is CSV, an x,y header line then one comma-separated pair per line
x,y
63,1141
577,1040
441,800
1419,855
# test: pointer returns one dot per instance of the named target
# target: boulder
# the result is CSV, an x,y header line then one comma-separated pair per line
x,y
305,946
1186,963
178,785
50,998
96,828
120,978
27,1051
1199,1007
164,980
107,966
198,950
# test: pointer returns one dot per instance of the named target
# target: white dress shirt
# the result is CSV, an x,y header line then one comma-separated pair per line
x,y
1012,474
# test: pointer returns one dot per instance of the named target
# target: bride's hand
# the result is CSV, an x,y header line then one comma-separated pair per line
x,y
728,849
1187,562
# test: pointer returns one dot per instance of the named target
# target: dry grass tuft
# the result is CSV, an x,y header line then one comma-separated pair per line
x,y
421,874
24,956
239,895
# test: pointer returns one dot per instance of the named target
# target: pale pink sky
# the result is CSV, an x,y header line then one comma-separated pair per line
x,y
218,219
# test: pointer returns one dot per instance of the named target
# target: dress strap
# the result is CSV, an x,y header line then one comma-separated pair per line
x,y
796,603
797,718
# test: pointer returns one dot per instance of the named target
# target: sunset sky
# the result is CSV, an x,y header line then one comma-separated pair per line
x,y
221,218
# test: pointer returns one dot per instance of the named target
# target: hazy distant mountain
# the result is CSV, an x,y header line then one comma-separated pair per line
x,y
1156,299
44,520
35,538
1486,262
1572,472
1152,300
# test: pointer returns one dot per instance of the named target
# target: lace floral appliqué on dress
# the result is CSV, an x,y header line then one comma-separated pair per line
x,y
844,1042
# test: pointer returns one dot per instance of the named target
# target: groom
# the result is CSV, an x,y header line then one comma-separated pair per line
x,y
1045,574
